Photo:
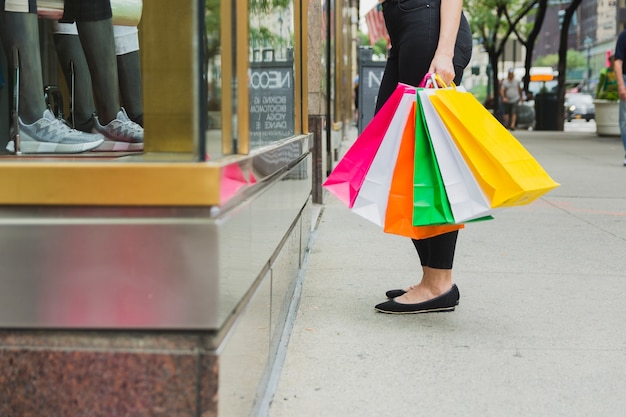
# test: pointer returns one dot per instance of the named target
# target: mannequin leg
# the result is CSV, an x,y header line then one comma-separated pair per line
x,y
70,51
21,31
129,71
98,43
39,130
130,85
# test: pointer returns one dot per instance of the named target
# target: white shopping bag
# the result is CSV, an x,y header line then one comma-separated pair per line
x,y
371,201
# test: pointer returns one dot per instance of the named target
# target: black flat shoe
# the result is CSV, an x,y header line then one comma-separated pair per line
x,y
444,302
394,293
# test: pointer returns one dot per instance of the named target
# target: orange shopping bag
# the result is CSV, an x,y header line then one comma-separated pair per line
x,y
399,214
347,177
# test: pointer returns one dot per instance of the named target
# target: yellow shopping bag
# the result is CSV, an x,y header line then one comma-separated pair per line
x,y
508,174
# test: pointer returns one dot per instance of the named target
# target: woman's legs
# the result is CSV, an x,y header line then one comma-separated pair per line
x,y
437,257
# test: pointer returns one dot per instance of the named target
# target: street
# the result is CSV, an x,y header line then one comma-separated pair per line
x,y
580,125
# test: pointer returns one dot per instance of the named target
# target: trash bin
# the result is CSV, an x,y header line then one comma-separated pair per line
x,y
546,111
370,75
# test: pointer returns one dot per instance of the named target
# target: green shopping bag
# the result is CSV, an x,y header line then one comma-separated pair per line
x,y
430,202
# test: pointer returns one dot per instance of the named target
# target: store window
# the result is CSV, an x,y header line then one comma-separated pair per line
x,y
271,78
212,67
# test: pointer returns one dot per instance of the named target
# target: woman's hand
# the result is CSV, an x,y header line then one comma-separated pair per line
x,y
442,65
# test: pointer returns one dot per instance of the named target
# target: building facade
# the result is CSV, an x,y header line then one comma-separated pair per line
x,y
160,282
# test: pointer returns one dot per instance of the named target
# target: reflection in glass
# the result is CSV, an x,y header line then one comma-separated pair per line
x,y
271,78
213,77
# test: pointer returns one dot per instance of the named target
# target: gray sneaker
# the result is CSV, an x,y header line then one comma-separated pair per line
x,y
51,135
120,129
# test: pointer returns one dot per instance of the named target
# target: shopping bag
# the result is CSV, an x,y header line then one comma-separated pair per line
x,y
430,202
464,195
399,215
508,174
346,178
372,197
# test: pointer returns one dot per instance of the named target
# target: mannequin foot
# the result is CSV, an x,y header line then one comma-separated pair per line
x,y
51,135
120,134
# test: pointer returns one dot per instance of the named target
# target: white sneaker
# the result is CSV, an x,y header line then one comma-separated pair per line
x,y
51,135
114,146
121,134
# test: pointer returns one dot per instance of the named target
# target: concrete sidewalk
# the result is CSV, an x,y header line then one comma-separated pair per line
x,y
539,330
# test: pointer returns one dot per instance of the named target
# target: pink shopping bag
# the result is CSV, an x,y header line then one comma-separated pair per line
x,y
346,178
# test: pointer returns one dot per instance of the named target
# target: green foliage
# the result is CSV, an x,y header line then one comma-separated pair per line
x,y
575,60
264,6
480,92
609,95
364,40
379,49
550,60
213,26
607,85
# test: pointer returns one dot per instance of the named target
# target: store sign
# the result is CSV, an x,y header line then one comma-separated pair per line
x,y
272,113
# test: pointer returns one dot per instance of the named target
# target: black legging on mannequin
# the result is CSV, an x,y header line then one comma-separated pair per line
x,y
95,28
99,46
21,31
70,51
129,73
405,67
71,55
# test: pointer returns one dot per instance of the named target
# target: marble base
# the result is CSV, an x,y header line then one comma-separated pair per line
x,y
98,374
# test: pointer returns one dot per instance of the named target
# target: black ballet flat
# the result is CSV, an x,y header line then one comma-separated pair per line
x,y
444,302
394,293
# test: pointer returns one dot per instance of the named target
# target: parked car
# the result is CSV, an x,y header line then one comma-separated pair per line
x,y
579,106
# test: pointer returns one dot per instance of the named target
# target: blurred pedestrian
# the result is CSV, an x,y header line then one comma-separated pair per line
x,y
620,70
511,93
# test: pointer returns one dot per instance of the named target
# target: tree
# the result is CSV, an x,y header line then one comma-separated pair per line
x,y
494,21
562,67
533,32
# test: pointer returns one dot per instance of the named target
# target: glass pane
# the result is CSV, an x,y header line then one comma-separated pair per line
x,y
271,42
213,78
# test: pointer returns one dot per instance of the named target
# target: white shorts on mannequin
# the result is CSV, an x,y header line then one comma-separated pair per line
x,y
126,37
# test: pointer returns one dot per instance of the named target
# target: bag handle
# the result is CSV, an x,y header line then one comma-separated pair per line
x,y
434,80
